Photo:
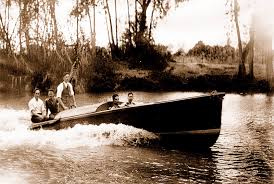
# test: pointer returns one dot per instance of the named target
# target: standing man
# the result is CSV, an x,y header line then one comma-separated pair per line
x,y
51,104
65,94
37,108
130,100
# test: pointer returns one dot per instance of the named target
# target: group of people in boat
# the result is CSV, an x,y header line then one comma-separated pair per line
x,y
64,99
117,104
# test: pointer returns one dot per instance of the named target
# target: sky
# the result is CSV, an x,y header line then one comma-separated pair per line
x,y
206,20
184,26
192,21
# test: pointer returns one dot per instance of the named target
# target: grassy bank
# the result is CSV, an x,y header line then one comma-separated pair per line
x,y
167,81
184,74
193,74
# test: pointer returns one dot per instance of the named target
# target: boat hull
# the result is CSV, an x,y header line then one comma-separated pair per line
x,y
190,121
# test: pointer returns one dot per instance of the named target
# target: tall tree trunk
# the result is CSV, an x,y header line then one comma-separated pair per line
x,y
26,22
136,18
90,27
76,64
116,24
53,18
140,37
110,22
151,20
269,60
94,32
251,51
241,71
143,16
7,14
5,36
129,30
112,45
37,24
108,31
20,27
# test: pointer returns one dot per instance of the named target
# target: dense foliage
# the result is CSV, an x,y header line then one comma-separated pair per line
x,y
220,53
101,72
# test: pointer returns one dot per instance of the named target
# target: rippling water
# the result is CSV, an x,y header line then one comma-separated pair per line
x,y
124,154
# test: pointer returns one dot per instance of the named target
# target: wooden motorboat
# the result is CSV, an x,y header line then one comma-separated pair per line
x,y
194,121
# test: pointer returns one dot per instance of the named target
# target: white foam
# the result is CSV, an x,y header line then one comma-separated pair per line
x,y
11,177
14,132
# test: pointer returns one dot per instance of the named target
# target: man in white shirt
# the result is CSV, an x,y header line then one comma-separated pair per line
x,y
37,108
65,93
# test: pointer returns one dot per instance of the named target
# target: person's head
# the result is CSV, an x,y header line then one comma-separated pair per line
x,y
50,93
36,92
66,77
130,97
115,98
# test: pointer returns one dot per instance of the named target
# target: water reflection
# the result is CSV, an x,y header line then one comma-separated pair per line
x,y
244,151
176,167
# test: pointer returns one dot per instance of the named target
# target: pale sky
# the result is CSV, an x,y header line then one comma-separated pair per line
x,y
205,20
194,21
184,26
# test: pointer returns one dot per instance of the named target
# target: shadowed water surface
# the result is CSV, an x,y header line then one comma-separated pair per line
x,y
111,153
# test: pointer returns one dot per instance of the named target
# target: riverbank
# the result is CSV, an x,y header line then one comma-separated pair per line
x,y
193,74
184,74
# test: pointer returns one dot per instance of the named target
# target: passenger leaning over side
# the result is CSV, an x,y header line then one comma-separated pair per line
x,y
51,104
37,108
65,94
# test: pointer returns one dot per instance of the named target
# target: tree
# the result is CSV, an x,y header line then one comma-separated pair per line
x,y
154,9
84,7
248,50
251,51
241,71
4,35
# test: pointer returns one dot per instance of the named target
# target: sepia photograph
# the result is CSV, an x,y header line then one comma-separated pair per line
x,y
136,91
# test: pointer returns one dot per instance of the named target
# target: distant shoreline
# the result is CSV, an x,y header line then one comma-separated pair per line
x,y
198,84
168,82
182,75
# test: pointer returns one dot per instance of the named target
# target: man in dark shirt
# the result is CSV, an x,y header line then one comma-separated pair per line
x,y
51,104
115,103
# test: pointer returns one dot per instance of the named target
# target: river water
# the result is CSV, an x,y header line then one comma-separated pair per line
x,y
244,152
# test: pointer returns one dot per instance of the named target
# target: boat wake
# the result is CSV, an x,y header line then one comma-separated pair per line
x,y
14,132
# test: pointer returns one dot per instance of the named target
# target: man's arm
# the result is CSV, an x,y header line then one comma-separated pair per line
x,y
74,102
34,113
44,112
61,103
32,108
72,94
47,108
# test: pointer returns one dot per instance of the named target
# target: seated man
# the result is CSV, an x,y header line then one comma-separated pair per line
x,y
130,100
37,108
51,104
115,102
